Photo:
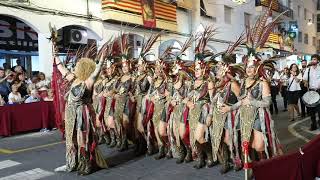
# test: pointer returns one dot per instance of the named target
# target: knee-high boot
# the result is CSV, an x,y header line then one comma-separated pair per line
x,y
107,138
161,153
113,142
124,143
188,157
223,156
200,160
181,153
208,150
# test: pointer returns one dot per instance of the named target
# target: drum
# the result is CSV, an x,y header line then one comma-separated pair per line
x,y
311,99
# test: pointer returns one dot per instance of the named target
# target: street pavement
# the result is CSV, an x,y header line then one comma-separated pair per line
x,y
35,155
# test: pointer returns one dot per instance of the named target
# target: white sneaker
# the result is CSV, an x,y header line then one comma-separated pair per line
x,y
61,169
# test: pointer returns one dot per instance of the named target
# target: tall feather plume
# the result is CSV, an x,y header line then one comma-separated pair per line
x,y
148,45
187,44
168,53
208,33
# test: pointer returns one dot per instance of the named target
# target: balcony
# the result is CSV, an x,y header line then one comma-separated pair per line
x,y
276,6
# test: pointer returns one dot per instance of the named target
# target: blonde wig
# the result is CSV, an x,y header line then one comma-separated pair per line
x,y
84,68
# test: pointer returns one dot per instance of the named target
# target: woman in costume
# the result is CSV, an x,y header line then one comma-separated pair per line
x,y
123,94
198,103
227,91
142,86
82,153
253,120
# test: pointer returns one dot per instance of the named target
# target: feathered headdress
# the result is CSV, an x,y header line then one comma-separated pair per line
x,y
256,39
145,51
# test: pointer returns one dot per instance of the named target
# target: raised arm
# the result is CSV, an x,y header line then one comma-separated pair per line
x,y
93,77
64,71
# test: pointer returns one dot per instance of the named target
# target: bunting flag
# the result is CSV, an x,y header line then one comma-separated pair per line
x,y
148,14
161,10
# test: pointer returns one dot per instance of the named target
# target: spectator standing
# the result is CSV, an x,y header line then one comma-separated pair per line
x,y
4,85
43,85
21,82
304,88
274,92
284,78
32,84
15,96
311,78
294,91
18,64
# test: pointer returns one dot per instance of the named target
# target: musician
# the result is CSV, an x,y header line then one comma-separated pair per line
x,y
304,88
311,78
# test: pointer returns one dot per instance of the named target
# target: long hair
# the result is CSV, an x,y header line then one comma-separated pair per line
x,y
297,71
84,68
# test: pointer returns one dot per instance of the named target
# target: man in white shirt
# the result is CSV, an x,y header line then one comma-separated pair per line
x,y
304,89
274,91
311,78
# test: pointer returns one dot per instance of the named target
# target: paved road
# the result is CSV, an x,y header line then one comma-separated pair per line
x,y
36,155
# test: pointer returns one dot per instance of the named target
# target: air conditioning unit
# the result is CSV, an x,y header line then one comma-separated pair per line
x,y
78,36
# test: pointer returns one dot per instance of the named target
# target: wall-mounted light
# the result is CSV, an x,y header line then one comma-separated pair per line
x,y
239,1
309,22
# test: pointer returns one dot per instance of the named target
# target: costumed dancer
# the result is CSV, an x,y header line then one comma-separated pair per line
x,y
142,85
178,124
253,119
158,99
123,96
82,153
198,103
227,91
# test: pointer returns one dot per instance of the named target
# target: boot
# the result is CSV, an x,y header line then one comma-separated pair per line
x,y
119,143
224,158
136,146
200,160
150,148
181,153
113,142
161,153
208,151
188,157
124,143
107,138
142,146
169,153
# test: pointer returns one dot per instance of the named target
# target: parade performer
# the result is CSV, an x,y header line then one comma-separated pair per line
x,y
227,91
254,119
123,94
198,100
82,153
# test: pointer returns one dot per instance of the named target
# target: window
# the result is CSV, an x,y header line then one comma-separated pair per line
x,y
299,11
227,14
306,38
300,37
312,18
289,4
305,14
318,5
247,18
313,41
203,11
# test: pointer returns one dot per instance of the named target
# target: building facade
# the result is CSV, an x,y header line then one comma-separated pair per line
x,y
100,20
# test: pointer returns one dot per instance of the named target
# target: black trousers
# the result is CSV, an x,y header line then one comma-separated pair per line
x,y
284,94
303,106
274,93
313,111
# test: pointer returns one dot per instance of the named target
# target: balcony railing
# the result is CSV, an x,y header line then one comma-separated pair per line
x,y
276,6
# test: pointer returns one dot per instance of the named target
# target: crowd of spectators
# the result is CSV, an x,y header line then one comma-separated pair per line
x,y
17,88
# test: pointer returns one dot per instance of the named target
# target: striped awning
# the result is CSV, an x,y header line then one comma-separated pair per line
x,y
163,11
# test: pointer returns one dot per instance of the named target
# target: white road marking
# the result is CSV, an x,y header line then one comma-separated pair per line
x,y
8,163
295,133
30,175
